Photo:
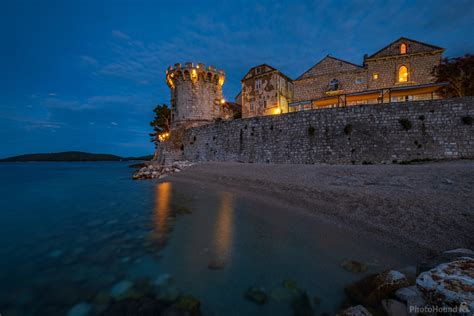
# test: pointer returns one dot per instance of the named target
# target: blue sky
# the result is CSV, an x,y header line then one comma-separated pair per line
x,y
85,75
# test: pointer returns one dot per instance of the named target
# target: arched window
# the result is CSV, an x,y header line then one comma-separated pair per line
x,y
403,74
334,85
403,48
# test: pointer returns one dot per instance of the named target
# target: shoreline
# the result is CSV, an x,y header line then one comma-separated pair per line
x,y
422,209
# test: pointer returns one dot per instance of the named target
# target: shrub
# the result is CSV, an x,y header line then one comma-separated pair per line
x,y
467,120
405,123
311,130
348,129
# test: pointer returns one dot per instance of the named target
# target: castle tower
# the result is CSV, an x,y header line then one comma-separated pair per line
x,y
196,94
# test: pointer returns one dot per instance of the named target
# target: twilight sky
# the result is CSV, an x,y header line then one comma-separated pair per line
x,y
85,75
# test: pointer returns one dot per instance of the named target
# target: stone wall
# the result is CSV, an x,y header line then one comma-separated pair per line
x,y
357,134
316,87
419,67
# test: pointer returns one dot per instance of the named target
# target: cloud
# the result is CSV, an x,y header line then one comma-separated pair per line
x,y
52,94
120,35
88,60
113,123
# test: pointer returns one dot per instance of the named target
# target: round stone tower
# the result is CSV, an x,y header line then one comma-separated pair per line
x,y
196,94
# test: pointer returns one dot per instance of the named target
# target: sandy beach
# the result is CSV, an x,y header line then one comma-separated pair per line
x,y
421,208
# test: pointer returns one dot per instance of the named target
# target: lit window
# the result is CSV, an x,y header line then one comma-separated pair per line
x,y
375,75
403,48
403,74
334,85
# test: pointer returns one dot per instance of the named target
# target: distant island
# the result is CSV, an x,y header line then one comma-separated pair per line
x,y
71,156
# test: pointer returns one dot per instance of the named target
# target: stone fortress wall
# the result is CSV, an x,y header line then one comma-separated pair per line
x,y
377,133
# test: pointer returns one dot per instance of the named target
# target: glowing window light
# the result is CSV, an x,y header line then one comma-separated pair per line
x,y
403,74
277,111
194,75
221,81
403,48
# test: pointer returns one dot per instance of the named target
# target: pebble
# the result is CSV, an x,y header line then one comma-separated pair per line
x,y
81,309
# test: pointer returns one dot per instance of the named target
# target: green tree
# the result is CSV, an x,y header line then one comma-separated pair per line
x,y
161,122
459,73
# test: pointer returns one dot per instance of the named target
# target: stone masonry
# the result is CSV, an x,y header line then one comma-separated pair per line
x,y
196,94
378,133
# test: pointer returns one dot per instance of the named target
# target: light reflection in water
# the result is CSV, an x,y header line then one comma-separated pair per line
x,y
224,227
162,207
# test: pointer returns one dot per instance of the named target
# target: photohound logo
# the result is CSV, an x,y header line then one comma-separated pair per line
x,y
463,308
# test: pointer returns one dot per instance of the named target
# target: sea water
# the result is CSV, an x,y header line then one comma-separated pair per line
x,y
73,233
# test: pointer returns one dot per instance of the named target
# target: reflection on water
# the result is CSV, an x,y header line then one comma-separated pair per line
x,y
224,227
60,253
162,208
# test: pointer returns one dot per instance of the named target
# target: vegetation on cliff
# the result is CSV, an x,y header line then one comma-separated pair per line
x,y
161,122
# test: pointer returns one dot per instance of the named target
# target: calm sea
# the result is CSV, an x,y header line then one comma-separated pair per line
x,y
80,233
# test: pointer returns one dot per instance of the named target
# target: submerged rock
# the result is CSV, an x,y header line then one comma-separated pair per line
x,y
120,289
357,310
281,294
216,264
81,309
354,266
163,280
144,306
169,294
301,305
256,295
189,304
449,284
372,289
290,284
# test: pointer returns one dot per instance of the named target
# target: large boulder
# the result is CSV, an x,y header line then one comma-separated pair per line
x,y
411,296
446,256
394,308
449,284
374,288
358,310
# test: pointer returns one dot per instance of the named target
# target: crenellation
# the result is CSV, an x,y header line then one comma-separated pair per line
x,y
196,94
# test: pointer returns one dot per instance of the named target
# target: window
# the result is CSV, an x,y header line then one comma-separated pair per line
x,y
251,106
334,85
265,103
258,70
258,84
359,80
403,48
403,74
375,76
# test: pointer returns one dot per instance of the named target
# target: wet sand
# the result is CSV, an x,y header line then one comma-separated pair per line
x,y
420,208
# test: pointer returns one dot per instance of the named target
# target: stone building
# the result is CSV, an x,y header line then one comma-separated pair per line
x,y
265,91
401,71
196,95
